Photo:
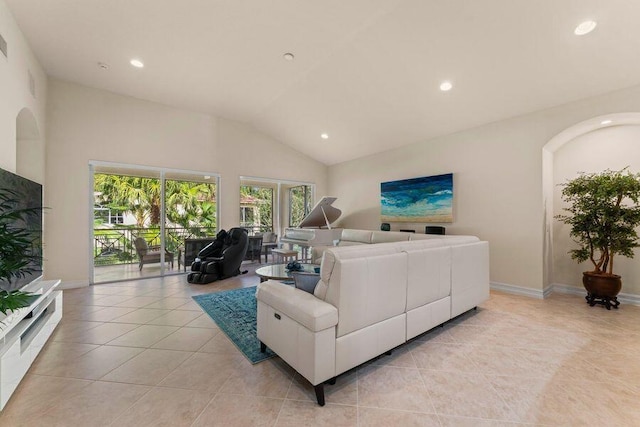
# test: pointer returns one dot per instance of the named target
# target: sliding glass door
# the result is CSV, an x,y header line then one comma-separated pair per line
x,y
142,216
191,212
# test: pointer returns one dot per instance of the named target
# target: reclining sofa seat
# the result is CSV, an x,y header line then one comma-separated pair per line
x,y
369,300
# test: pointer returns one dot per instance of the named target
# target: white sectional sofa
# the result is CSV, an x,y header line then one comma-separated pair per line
x,y
369,300
354,237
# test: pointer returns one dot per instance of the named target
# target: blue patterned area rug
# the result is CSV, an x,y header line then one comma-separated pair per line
x,y
235,313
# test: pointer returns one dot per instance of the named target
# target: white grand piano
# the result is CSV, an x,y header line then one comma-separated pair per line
x,y
310,231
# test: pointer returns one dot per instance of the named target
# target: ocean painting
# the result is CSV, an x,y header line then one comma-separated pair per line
x,y
426,199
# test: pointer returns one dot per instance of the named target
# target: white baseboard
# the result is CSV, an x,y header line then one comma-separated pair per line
x,y
560,288
567,289
574,290
518,290
629,298
73,284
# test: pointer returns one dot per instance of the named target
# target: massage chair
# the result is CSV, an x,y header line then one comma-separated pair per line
x,y
221,258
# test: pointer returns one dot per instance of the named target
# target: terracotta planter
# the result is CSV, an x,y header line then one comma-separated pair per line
x,y
602,288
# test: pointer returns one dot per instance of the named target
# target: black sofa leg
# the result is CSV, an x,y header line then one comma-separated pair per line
x,y
320,393
263,347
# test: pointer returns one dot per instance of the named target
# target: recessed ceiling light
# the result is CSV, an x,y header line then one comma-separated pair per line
x,y
445,86
606,122
137,63
324,135
585,28
288,56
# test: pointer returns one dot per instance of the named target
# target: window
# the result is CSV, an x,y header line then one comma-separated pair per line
x,y
273,205
256,208
162,206
108,216
299,204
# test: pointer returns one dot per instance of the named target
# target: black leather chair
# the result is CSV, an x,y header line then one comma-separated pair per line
x,y
220,259
192,248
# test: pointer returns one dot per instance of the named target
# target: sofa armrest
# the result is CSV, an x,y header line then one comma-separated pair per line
x,y
311,312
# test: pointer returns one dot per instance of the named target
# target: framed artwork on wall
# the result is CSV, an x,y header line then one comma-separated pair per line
x,y
425,199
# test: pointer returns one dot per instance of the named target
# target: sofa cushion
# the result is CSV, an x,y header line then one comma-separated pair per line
x,y
305,281
469,276
429,275
436,241
420,236
389,236
360,236
350,243
367,289
348,252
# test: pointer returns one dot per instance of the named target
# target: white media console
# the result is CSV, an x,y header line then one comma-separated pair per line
x,y
24,332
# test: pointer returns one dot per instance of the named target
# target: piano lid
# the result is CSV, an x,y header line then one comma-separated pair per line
x,y
322,214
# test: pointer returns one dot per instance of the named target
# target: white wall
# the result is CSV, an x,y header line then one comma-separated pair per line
x,y
497,182
246,152
15,95
613,148
89,124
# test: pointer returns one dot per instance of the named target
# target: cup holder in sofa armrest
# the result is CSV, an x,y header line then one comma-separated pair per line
x,y
303,307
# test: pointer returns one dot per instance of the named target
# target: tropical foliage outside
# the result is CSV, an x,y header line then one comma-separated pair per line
x,y
189,204
299,204
190,209
256,208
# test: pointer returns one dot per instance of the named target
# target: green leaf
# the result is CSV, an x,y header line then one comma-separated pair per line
x,y
19,249
604,214
13,300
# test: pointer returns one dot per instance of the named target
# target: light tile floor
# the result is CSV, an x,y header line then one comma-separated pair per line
x,y
143,354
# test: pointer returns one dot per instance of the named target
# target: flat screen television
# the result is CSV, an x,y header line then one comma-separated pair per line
x,y
27,194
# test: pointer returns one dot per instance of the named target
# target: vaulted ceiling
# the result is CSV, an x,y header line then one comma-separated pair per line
x,y
366,72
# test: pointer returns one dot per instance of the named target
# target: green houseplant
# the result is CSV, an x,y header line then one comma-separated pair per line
x,y
17,253
604,212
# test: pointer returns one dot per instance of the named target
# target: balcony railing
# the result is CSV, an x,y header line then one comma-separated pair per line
x,y
115,245
252,229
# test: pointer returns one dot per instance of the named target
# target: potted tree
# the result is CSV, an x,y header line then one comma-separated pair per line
x,y
604,212
16,252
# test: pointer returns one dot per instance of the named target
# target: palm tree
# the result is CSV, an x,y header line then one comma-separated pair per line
x,y
187,203
191,204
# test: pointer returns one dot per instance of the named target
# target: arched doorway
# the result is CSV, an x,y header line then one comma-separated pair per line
x,y
582,131
29,147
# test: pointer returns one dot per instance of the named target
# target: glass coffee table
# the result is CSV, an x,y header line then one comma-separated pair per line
x,y
280,272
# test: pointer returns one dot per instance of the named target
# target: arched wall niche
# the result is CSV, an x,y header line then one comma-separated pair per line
x,y
581,140
29,147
